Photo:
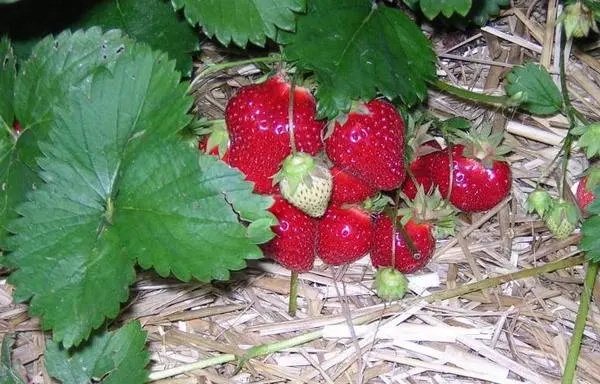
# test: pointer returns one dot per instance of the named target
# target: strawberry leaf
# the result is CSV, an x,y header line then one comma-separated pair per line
x,y
61,234
8,72
533,86
174,217
116,357
55,66
432,8
483,10
590,241
150,21
376,48
242,21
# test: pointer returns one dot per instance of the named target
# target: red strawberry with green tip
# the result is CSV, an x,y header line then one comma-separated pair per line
x,y
344,235
294,243
369,144
348,189
258,123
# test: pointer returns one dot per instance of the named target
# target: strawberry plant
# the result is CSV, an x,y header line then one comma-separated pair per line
x,y
101,178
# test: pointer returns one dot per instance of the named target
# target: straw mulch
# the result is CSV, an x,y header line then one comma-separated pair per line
x,y
513,332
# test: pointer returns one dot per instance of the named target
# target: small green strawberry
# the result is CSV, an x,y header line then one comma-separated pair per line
x,y
578,19
390,284
539,201
306,183
562,219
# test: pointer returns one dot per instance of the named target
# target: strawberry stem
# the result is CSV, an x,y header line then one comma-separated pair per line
x,y
291,116
495,101
582,312
409,243
293,301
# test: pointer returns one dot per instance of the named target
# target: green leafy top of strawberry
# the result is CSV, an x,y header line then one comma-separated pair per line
x,y
578,19
539,201
218,137
483,145
430,208
564,210
377,203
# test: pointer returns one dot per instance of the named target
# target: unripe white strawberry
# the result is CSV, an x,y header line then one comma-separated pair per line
x,y
305,183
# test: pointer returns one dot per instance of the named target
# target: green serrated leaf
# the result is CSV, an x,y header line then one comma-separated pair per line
x,y
8,72
56,66
69,261
376,48
242,21
176,218
150,21
539,93
7,373
115,357
432,8
484,10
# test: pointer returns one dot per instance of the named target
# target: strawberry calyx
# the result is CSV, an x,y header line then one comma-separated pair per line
x,y
218,137
358,107
483,145
390,284
539,201
296,168
376,204
430,208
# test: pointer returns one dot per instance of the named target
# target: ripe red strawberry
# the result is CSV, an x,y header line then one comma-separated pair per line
x,y
370,145
585,189
477,186
584,195
348,189
294,243
420,170
421,235
257,120
344,235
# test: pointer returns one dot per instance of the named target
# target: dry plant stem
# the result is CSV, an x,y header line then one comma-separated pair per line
x,y
582,313
495,281
496,101
348,317
230,64
265,349
293,300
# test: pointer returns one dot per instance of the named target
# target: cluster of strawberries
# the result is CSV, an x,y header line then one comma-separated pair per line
x,y
331,180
